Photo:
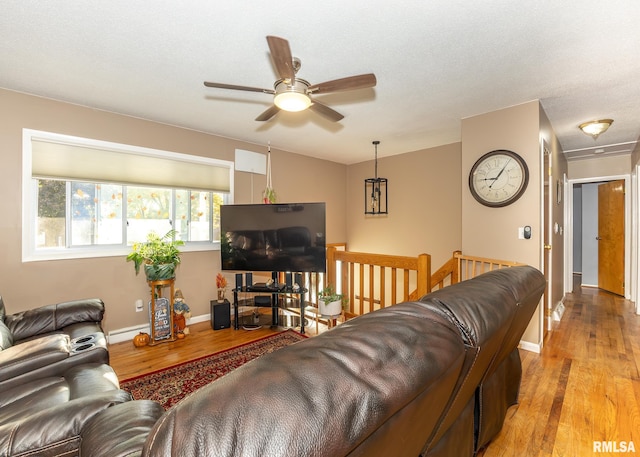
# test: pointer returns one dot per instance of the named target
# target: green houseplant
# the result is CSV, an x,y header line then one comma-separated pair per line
x,y
159,255
330,303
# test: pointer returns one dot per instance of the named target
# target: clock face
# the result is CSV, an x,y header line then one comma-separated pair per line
x,y
498,178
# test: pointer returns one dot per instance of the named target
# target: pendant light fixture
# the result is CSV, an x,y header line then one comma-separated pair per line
x,y
375,190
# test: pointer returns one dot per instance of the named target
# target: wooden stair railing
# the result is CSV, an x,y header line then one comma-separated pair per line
x,y
373,281
462,267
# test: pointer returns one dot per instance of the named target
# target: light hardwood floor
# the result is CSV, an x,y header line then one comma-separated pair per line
x,y
583,387
129,361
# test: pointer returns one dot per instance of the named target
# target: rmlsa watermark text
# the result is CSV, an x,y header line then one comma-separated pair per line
x,y
614,446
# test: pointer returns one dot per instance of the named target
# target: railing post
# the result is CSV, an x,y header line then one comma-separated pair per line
x,y
424,274
455,275
331,266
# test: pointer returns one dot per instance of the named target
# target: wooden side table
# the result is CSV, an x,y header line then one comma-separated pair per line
x,y
156,292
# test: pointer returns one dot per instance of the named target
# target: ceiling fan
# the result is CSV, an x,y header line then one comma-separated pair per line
x,y
295,94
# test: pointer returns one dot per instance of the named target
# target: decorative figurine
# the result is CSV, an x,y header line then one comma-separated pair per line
x,y
181,313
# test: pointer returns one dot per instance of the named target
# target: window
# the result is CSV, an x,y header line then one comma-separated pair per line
x,y
74,206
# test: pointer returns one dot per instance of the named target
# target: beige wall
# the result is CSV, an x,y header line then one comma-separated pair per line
x,y
424,205
600,166
26,285
493,232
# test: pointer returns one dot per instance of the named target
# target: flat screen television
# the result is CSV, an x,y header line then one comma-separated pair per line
x,y
287,237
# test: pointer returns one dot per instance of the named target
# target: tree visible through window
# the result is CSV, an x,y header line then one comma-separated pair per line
x,y
50,227
80,214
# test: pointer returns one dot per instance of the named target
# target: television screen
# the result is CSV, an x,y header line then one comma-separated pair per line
x,y
276,237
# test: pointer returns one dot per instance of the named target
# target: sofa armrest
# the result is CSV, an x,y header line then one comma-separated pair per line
x,y
51,318
120,430
57,429
32,355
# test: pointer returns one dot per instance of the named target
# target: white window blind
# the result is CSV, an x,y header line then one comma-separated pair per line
x,y
96,161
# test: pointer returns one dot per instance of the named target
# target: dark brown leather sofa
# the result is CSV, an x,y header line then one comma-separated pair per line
x,y
54,376
47,340
432,377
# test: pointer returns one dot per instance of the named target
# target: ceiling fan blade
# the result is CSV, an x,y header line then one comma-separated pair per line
x,y
234,87
325,111
348,83
268,114
281,55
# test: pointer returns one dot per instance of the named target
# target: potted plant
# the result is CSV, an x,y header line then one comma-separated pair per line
x,y
159,255
329,302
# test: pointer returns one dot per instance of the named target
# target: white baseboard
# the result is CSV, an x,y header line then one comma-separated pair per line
x,y
127,333
531,347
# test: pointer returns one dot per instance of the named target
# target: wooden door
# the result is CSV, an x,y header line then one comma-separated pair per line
x,y
611,237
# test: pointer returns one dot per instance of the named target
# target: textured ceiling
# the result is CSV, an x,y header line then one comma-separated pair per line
x,y
436,62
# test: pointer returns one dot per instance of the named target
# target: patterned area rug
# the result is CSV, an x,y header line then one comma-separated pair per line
x,y
168,386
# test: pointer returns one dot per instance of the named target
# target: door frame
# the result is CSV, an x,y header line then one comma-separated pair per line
x,y
569,225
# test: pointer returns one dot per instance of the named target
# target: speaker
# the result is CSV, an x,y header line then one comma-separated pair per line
x,y
288,280
262,300
238,280
248,279
299,279
220,314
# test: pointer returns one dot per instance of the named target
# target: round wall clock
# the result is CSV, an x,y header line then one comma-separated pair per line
x,y
498,178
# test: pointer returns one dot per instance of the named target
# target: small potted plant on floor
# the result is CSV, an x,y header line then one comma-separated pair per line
x,y
159,255
329,302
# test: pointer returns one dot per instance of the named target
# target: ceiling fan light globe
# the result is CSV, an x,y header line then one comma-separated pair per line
x,y
292,101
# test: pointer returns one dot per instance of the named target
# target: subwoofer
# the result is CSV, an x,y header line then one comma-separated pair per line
x,y
220,314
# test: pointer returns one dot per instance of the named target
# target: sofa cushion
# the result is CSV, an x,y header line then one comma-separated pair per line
x,y
33,355
46,356
45,417
120,431
52,318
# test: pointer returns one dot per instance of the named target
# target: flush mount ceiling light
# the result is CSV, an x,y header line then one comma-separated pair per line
x,y
595,128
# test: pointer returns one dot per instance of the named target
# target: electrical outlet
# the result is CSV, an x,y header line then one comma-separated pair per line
x,y
139,305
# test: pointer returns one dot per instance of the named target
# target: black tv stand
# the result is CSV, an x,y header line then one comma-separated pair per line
x,y
275,291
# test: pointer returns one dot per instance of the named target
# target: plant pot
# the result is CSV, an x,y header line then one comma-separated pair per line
x,y
220,295
333,308
160,272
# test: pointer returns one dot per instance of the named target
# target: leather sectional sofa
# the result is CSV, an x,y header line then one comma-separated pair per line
x,y
432,377
54,377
